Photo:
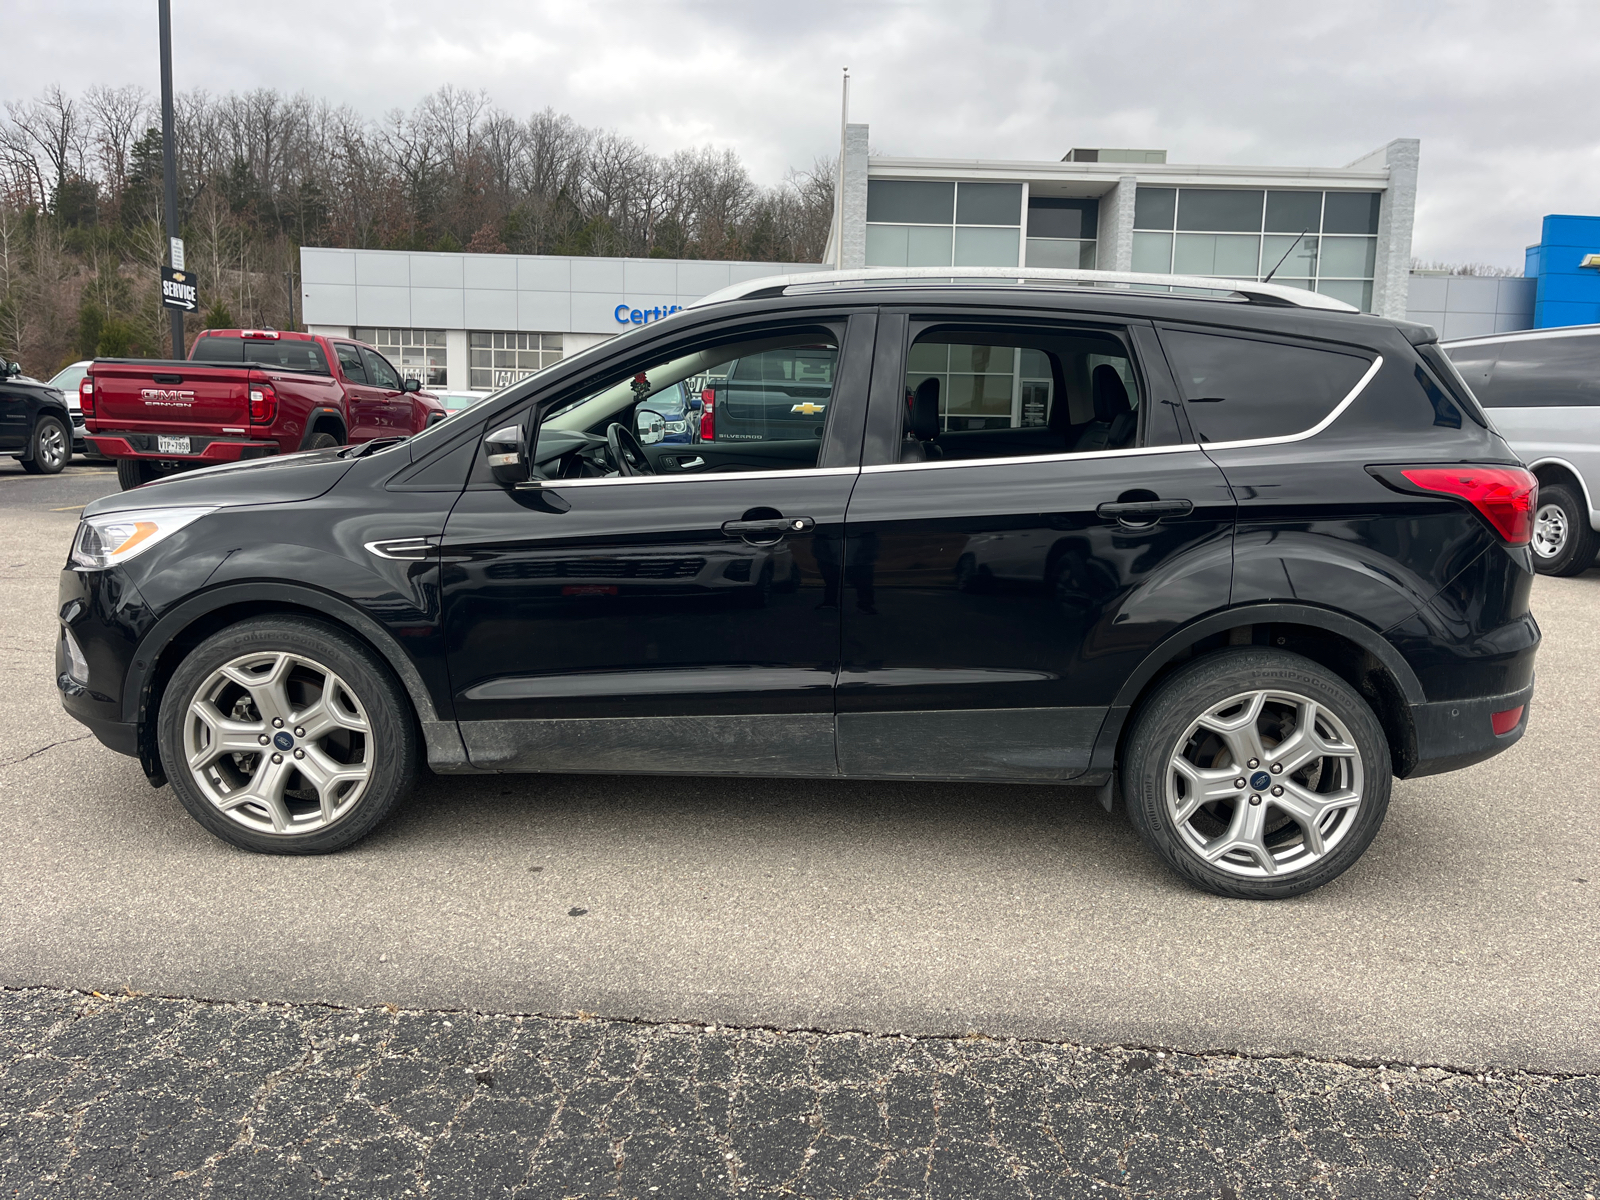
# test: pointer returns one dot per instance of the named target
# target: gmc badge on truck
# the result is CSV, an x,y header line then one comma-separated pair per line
x,y
163,397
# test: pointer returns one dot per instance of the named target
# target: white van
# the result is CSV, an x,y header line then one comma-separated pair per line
x,y
1542,388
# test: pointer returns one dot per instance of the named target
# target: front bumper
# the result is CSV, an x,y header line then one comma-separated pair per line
x,y
1452,734
206,451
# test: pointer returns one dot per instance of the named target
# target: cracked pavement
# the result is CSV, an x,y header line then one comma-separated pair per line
x,y
134,1096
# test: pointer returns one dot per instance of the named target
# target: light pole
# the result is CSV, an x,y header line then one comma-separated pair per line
x,y
169,158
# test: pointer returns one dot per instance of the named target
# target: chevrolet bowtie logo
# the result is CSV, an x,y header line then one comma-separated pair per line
x,y
1590,260
808,409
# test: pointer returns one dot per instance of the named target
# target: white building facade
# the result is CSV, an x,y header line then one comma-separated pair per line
x,y
477,322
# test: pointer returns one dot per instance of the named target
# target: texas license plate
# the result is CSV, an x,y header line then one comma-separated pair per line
x,y
171,445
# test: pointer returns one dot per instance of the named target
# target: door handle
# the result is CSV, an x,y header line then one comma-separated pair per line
x,y
1139,513
778,526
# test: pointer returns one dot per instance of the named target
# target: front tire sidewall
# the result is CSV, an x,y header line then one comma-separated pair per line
x,y
394,741
1198,688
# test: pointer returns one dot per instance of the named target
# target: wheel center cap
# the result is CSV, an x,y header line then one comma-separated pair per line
x,y
283,741
1260,781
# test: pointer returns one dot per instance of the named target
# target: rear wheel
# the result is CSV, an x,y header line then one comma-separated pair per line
x,y
1563,542
286,736
321,441
131,472
52,447
1256,774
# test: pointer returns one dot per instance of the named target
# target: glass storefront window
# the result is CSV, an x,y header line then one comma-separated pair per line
x,y
1061,252
1243,234
497,360
419,353
931,223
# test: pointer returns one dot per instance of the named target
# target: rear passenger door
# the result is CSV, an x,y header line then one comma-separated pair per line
x,y
365,403
1012,556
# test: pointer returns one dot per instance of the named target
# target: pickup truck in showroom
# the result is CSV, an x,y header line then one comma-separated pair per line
x,y
242,394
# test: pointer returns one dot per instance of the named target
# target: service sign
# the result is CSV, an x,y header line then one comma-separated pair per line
x,y
179,289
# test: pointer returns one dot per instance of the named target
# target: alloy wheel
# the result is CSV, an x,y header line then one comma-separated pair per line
x,y
52,447
278,743
1549,530
1266,783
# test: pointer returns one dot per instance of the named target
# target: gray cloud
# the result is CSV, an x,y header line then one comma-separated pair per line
x,y
1500,94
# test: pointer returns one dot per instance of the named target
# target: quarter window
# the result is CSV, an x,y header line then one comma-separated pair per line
x,y
1240,388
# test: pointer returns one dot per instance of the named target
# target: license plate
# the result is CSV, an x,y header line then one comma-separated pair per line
x,y
171,445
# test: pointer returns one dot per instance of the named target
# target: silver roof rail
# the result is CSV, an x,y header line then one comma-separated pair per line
x,y
1247,289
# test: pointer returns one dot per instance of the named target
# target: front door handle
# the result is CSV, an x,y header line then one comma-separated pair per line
x,y
1139,513
766,530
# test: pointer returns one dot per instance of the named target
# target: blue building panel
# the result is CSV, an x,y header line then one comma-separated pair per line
x,y
1568,292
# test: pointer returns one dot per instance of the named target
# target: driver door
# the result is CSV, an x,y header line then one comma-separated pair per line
x,y
680,620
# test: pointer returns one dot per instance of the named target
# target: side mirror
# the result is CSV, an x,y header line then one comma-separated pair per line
x,y
13,369
410,385
652,426
695,404
506,449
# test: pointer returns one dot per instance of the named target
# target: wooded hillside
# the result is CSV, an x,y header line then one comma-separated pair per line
x,y
261,174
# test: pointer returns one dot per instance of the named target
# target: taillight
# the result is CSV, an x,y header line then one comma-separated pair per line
x,y
1505,721
86,397
263,404
708,416
1506,496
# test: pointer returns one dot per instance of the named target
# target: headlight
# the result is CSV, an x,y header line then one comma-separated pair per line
x,y
116,537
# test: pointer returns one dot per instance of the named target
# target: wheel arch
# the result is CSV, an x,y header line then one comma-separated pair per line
x,y
189,623
325,420
1551,470
1352,650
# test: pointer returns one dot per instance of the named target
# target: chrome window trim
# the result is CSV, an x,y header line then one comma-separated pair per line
x,y
1349,399
701,476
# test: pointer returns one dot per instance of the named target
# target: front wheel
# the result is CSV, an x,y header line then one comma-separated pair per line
x,y
1256,774
1563,542
286,736
52,447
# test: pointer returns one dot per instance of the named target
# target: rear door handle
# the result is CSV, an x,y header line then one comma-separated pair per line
x,y
773,527
1143,512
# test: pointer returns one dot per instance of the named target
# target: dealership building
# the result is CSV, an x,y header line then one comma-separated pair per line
x,y
481,321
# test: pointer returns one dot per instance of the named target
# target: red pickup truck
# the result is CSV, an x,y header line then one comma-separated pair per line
x,y
246,393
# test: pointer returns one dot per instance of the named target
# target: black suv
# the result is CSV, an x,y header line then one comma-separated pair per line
x,y
1236,559
35,422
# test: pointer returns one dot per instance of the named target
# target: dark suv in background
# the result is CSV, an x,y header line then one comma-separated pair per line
x,y
1236,558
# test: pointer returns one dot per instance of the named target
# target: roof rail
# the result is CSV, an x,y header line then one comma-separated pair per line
x,y
1246,289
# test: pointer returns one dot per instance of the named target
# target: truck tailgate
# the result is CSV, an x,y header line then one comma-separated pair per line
x,y
171,397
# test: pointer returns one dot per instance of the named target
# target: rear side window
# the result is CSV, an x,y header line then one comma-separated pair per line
x,y
279,354
1558,372
350,362
1240,389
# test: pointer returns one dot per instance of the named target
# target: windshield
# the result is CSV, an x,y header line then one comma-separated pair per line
x,y
68,378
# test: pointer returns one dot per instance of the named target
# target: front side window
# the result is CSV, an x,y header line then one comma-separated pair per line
x,y
420,352
1241,389
998,393
770,395
379,372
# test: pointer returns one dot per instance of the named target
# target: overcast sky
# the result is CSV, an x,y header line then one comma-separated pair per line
x,y
1503,95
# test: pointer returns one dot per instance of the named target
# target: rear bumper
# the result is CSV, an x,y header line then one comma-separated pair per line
x,y
207,450
1452,734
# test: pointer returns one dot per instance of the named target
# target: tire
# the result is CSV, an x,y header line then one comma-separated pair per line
x,y
132,472
51,447
320,441
1228,845
259,798
1563,542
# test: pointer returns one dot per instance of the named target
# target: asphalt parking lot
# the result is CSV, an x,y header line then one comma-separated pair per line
x,y
1466,939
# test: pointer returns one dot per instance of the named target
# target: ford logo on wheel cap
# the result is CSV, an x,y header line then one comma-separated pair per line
x,y
283,741
1260,781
